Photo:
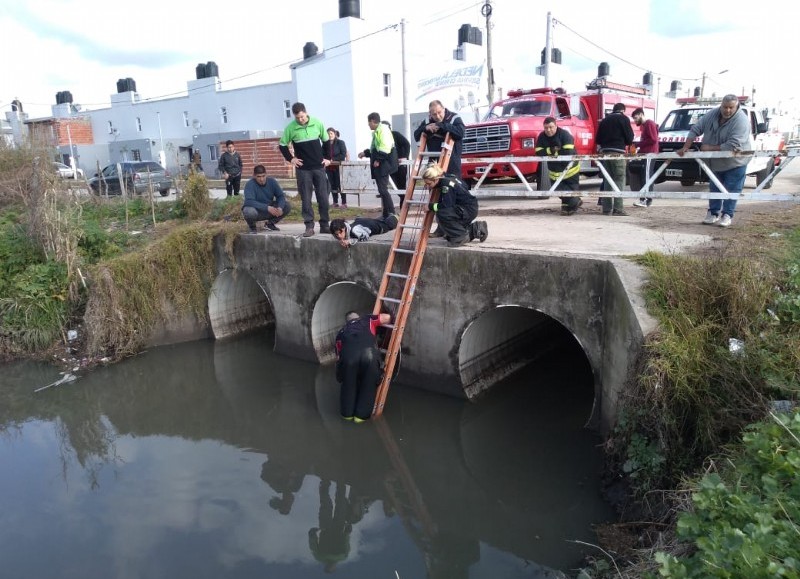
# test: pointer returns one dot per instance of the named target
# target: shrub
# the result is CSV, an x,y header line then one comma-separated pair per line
x,y
746,517
195,199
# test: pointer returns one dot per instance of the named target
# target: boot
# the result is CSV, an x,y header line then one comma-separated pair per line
x,y
483,231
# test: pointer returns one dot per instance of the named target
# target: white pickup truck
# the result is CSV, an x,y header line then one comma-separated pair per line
x,y
675,128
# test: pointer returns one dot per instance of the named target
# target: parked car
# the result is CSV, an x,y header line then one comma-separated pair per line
x,y
66,172
139,177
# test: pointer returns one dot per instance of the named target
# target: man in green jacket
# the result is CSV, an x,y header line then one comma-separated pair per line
x,y
306,135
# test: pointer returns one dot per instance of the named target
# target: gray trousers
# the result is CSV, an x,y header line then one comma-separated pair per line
x,y
315,180
251,215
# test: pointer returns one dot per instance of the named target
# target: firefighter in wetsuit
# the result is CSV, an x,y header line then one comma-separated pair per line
x,y
553,142
358,364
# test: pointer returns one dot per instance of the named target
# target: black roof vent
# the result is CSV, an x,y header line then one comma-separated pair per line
x,y
63,96
309,49
126,85
349,8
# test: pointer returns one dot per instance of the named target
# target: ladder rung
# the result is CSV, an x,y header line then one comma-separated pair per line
x,y
391,300
408,251
400,275
405,226
390,326
415,202
430,154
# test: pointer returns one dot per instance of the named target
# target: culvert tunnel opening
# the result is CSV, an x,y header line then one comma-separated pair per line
x,y
510,340
329,313
238,305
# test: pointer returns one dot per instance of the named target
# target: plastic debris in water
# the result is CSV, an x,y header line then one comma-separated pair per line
x,y
63,380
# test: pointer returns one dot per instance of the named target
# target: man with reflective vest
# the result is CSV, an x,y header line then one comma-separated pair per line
x,y
554,142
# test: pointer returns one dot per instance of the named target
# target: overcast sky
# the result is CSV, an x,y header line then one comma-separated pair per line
x,y
85,46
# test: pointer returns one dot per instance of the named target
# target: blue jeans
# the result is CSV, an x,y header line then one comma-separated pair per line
x,y
733,181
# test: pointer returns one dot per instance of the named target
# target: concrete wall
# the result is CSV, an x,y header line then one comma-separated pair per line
x,y
477,315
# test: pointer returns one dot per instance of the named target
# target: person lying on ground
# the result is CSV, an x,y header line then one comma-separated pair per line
x,y
361,229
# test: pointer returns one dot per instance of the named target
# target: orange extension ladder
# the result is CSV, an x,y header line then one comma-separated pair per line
x,y
403,265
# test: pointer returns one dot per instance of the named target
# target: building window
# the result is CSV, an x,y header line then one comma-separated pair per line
x,y
223,113
387,85
139,124
185,118
110,128
287,109
136,154
213,153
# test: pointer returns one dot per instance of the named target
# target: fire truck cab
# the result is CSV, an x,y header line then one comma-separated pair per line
x,y
512,125
674,130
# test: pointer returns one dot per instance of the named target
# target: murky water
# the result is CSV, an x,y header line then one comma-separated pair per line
x,y
221,459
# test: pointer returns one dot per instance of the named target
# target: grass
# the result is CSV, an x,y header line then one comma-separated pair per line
x,y
171,276
695,395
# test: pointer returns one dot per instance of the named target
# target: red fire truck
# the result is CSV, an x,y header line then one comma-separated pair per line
x,y
512,125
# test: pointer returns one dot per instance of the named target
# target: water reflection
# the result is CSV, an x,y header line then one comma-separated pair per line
x,y
221,459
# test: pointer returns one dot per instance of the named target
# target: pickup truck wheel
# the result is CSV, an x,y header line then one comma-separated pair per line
x,y
687,182
164,192
762,175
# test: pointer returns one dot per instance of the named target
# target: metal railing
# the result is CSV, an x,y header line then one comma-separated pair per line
x,y
610,189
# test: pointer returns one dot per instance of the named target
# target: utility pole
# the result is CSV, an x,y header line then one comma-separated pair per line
x,y
703,84
548,49
486,11
72,162
406,113
162,157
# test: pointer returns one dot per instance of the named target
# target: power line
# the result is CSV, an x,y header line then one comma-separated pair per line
x,y
458,11
246,75
642,68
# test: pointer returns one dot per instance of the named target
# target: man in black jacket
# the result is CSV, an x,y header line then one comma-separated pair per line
x,y
440,122
614,136
230,167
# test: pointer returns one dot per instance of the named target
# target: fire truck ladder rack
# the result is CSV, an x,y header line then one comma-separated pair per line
x,y
403,265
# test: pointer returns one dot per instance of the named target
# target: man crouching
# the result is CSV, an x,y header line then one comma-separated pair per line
x,y
361,229
264,200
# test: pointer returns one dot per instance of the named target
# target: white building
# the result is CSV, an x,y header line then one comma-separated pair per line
x,y
359,72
